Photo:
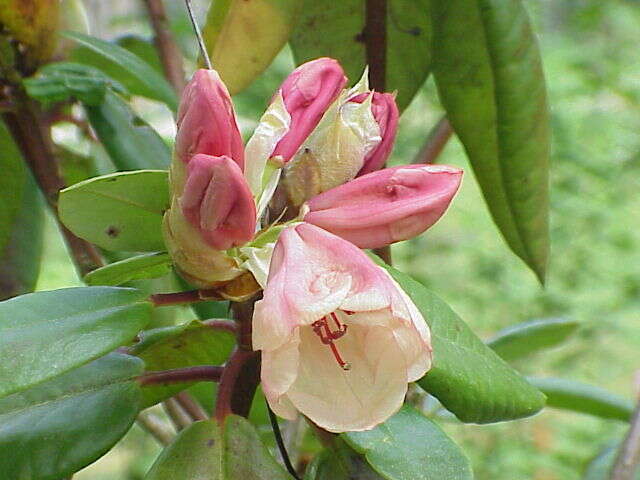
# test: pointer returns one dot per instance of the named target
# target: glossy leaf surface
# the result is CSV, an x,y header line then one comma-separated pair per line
x,y
583,398
467,377
137,75
119,211
150,265
410,446
181,346
130,141
205,450
489,76
21,222
525,338
328,28
46,334
53,429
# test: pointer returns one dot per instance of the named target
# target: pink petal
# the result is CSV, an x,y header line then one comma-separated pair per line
x,y
385,111
217,201
308,92
207,121
386,206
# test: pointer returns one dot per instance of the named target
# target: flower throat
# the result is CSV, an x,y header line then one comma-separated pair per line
x,y
328,336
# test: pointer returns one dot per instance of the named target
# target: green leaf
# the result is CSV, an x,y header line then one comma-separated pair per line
x,y
583,398
21,222
130,142
150,265
119,211
339,463
520,340
410,446
489,76
46,334
206,451
334,29
244,37
58,82
142,48
137,75
54,429
468,378
181,346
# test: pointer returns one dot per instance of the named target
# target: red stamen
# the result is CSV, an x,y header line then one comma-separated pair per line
x,y
327,337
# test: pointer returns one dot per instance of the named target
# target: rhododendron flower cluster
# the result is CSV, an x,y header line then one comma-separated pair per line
x,y
339,338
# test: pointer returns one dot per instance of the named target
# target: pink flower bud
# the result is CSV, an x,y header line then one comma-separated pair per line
x,y
386,206
206,120
307,92
339,339
385,112
217,201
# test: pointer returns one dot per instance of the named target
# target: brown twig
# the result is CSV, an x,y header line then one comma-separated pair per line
x,y
242,371
178,416
180,375
220,324
191,406
34,142
435,143
180,298
155,427
628,458
168,51
375,41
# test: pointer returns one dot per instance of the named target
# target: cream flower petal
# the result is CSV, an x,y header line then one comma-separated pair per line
x,y
358,399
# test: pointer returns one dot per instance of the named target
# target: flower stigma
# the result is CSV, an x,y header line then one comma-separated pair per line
x,y
328,336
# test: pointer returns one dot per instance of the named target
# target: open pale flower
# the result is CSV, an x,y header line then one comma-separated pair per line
x,y
339,339
385,206
206,120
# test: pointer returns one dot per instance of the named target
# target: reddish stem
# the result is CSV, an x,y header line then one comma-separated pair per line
x,y
375,40
181,375
436,141
242,371
180,298
219,324
168,51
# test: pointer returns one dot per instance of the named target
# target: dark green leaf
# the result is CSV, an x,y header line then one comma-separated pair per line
x,y
206,451
340,463
244,37
52,430
58,82
185,345
150,265
21,222
46,334
137,75
489,77
583,398
142,48
130,141
409,446
334,29
468,378
120,211
520,340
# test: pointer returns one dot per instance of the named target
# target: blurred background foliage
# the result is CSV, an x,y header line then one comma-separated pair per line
x,y
590,53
